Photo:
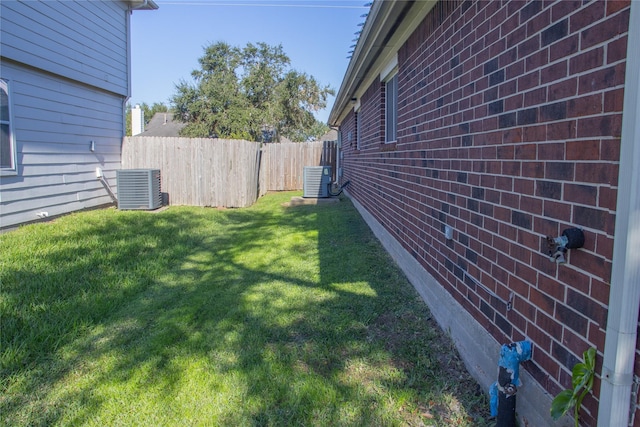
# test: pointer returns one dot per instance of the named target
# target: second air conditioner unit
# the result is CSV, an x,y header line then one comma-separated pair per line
x,y
316,181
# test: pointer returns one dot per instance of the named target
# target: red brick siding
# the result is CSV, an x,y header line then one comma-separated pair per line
x,y
509,121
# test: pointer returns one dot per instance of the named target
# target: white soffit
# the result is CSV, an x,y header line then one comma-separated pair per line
x,y
390,28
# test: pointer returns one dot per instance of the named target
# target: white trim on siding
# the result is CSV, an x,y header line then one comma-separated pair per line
x,y
10,123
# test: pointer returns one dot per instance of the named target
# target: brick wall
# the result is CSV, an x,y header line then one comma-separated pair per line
x,y
508,131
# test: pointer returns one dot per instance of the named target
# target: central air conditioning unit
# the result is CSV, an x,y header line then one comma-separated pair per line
x,y
316,181
139,189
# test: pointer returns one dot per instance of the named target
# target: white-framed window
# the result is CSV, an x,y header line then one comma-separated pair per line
x,y
7,140
358,120
389,76
391,108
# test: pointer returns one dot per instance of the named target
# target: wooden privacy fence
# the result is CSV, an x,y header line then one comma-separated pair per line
x,y
282,164
219,172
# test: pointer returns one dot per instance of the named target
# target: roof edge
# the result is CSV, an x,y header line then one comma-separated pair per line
x,y
388,26
142,4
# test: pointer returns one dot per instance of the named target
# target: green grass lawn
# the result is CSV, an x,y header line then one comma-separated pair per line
x,y
261,316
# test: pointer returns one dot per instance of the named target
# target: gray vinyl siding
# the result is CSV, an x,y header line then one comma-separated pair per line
x,y
85,41
56,168
67,66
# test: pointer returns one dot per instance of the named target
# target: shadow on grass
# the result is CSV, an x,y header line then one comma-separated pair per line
x,y
260,316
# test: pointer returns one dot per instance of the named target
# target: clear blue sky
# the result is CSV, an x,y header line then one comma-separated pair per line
x,y
166,43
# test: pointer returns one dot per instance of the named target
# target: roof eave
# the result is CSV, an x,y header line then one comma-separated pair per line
x,y
388,26
142,4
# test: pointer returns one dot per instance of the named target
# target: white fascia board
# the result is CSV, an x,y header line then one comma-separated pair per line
x,y
389,25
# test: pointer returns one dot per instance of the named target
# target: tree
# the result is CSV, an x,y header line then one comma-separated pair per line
x,y
297,100
246,93
149,112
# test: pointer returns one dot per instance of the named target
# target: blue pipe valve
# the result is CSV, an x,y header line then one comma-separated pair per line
x,y
511,355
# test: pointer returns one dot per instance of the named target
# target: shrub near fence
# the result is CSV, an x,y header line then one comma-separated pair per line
x,y
224,173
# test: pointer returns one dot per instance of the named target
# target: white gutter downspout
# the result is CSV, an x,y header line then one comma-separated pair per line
x,y
338,155
128,96
624,299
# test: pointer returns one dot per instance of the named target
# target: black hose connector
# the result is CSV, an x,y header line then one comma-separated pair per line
x,y
503,392
506,399
342,187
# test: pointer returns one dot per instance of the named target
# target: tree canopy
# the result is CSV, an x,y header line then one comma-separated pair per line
x,y
249,93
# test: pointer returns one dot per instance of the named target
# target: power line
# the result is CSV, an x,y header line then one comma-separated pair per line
x,y
292,5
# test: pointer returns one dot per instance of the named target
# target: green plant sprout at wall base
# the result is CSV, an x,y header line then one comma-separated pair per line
x,y
582,382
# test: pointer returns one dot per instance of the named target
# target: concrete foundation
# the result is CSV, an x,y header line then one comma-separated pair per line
x,y
478,349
